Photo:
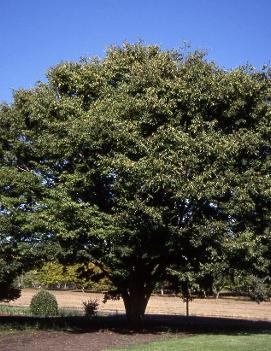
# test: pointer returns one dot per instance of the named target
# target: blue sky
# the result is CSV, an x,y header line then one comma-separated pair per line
x,y
37,34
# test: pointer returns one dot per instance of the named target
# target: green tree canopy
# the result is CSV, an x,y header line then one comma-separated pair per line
x,y
139,161
54,274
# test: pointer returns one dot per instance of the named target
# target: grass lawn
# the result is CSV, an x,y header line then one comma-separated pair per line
x,y
25,311
8,310
210,342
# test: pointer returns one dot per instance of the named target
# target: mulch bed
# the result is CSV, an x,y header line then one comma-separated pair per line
x,y
81,334
71,341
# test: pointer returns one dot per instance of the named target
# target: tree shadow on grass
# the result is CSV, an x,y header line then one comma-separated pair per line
x,y
153,324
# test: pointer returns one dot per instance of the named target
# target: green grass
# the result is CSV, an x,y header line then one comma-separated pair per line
x,y
208,342
65,312
25,311
12,310
17,318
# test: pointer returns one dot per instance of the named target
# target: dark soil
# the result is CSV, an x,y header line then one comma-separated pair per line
x,y
101,333
70,341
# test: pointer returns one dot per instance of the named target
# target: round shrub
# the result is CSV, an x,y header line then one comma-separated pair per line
x,y
44,304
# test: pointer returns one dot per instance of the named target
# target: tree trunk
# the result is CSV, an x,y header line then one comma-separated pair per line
x,y
135,303
187,306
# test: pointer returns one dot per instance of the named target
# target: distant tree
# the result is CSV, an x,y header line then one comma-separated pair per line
x,y
55,275
140,161
185,283
257,289
50,275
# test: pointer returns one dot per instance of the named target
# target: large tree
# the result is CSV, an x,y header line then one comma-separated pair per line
x,y
140,161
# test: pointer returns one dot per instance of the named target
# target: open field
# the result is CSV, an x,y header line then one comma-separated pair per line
x,y
231,308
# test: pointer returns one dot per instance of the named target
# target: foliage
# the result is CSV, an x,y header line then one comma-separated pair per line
x,y
56,275
90,276
20,195
8,289
44,304
50,274
215,276
9,269
137,162
258,289
186,284
91,307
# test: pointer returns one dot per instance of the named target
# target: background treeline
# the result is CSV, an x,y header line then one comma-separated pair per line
x,y
207,283
53,275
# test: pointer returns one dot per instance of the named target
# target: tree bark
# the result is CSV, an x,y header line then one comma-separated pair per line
x,y
187,307
135,303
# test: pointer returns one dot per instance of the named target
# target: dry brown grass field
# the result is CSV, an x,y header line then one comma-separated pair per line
x,y
223,307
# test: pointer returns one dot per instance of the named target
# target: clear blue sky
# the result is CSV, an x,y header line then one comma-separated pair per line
x,y
36,34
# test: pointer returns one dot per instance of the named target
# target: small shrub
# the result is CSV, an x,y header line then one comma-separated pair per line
x,y
44,304
91,307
